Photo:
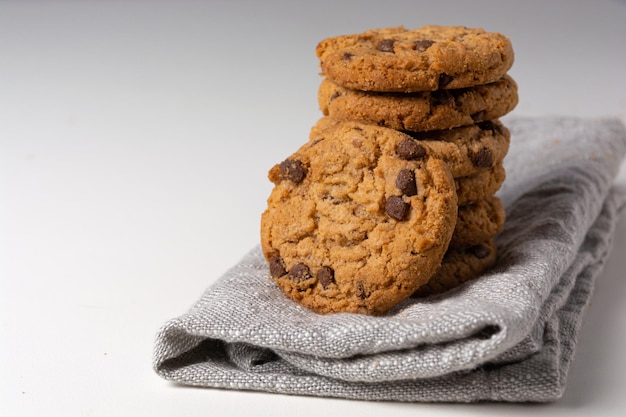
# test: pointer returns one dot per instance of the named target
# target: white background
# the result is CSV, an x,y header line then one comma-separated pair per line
x,y
135,138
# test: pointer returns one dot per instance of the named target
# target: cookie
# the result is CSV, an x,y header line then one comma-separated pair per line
x,y
460,265
467,150
478,222
426,110
356,224
481,185
425,59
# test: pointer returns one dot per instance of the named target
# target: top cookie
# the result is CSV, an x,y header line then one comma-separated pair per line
x,y
355,223
424,59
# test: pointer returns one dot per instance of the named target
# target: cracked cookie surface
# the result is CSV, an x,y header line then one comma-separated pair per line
x,y
424,59
356,221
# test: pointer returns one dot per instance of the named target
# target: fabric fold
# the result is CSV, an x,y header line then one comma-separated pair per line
x,y
507,336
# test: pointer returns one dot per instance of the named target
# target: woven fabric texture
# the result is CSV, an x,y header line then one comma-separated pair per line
x,y
507,336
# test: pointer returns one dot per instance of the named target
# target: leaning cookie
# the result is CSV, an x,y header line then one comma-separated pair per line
x,y
425,59
426,110
459,266
356,222
478,222
467,150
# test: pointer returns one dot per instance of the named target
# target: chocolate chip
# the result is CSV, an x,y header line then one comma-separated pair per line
x,y
360,290
406,182
479,251
479,115
293,170
445,79
441,98
347,56
423,44
409,149
397,208
334,96
482,159
300,272
277,267
489,125
326,276
386,45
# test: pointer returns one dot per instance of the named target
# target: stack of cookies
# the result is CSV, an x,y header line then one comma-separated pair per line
x,y
394,193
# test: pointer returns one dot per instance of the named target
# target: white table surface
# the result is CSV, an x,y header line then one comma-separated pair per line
x,y
135,137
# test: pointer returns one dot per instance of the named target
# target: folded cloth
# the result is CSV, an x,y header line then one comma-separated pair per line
x,y
509,335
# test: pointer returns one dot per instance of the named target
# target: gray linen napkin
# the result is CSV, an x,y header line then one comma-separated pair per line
x,y
507,336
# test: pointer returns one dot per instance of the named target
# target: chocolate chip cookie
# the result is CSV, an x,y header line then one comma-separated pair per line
x,y
478,222
484,183
425,110
357,220
467,150
460,265
424,59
